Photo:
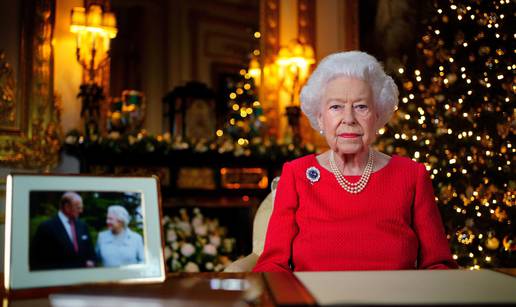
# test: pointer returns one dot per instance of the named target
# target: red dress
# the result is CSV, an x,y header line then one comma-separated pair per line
x,y
393,224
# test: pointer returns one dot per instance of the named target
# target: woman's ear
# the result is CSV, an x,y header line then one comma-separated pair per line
x,y
320,122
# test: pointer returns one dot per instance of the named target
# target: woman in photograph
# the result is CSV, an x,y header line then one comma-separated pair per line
x,y
353,207
119,245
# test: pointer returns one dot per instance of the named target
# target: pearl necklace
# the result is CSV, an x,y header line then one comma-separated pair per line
x,y
352,187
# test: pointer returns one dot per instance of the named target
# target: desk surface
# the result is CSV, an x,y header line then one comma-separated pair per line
x,y
282,289
429,287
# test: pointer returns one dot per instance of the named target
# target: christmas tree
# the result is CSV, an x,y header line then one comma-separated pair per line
x,y
245,116
457,116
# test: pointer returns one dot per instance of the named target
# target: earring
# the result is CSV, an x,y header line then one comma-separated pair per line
x,y
321,132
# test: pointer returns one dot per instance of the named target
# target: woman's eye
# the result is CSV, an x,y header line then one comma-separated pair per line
x,y
334,107
361,106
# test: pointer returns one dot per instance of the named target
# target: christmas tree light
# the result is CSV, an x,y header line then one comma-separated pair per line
x,y
457,116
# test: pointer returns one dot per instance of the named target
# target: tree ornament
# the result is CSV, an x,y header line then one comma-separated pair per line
x,y
465,236
492,243
509,244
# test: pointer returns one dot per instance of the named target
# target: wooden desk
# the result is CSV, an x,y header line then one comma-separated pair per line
x,y
255,289
179,289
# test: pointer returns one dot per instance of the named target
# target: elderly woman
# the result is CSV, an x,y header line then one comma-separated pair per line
x,y
119,245
352,207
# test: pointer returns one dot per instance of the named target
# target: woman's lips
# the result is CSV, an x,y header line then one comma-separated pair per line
x,y
349,135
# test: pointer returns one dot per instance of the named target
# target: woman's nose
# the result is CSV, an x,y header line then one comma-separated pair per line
x,y
348,116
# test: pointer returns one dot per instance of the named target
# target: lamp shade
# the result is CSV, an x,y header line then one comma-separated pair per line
x,y
94,16
109,20
78,16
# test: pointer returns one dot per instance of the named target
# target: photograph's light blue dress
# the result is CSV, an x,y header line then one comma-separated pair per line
x,y
119,250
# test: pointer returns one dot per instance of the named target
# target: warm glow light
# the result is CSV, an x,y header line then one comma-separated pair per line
x,y
294,63
94,29
255,71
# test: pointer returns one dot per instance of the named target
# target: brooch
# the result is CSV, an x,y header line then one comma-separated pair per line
x,y
313,174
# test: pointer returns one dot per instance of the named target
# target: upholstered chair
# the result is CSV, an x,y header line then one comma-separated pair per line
x,y
261,221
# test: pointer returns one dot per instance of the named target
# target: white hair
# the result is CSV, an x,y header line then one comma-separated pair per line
x,y
121,214
68,198
356,64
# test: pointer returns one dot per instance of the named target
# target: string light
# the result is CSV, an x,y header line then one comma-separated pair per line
x,y
474,87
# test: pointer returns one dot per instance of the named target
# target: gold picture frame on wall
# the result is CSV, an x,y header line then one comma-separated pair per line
x,y
29,114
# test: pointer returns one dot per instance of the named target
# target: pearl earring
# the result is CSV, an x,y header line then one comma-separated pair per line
x,y
321,132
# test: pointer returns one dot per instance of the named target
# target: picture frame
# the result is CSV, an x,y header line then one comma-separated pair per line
x,y
38,205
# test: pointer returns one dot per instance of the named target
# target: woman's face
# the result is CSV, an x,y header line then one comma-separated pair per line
x,y
113,223
348,117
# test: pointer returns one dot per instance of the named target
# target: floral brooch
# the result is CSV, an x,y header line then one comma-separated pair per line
x,y
313,174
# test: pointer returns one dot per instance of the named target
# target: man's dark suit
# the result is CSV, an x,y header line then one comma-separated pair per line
x,y
52,248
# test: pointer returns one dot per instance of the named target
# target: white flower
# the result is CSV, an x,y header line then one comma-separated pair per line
x,y
171,235
215,240
201,230
175,255
209,266
185,227
191,267
197,211
209,249
168,252
174,245
197,221
187,249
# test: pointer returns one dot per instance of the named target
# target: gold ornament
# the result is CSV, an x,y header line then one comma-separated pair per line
x,y
499,214
492,243
509,244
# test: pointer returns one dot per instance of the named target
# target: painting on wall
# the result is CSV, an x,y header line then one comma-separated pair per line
x,y
29,120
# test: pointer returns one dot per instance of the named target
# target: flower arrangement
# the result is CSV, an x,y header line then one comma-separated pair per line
x,y
196,244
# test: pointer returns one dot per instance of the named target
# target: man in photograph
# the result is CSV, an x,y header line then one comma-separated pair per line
x,y
63,241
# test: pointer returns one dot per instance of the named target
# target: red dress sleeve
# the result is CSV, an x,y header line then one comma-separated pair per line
x,y
434,252
282,226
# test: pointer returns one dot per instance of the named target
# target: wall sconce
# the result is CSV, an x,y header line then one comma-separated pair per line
x,y
94,26
94,29
294,63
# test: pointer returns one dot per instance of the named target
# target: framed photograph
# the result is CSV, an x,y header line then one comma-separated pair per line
x,y
72,229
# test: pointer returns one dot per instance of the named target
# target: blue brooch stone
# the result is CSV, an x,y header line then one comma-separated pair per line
x,y
313,174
